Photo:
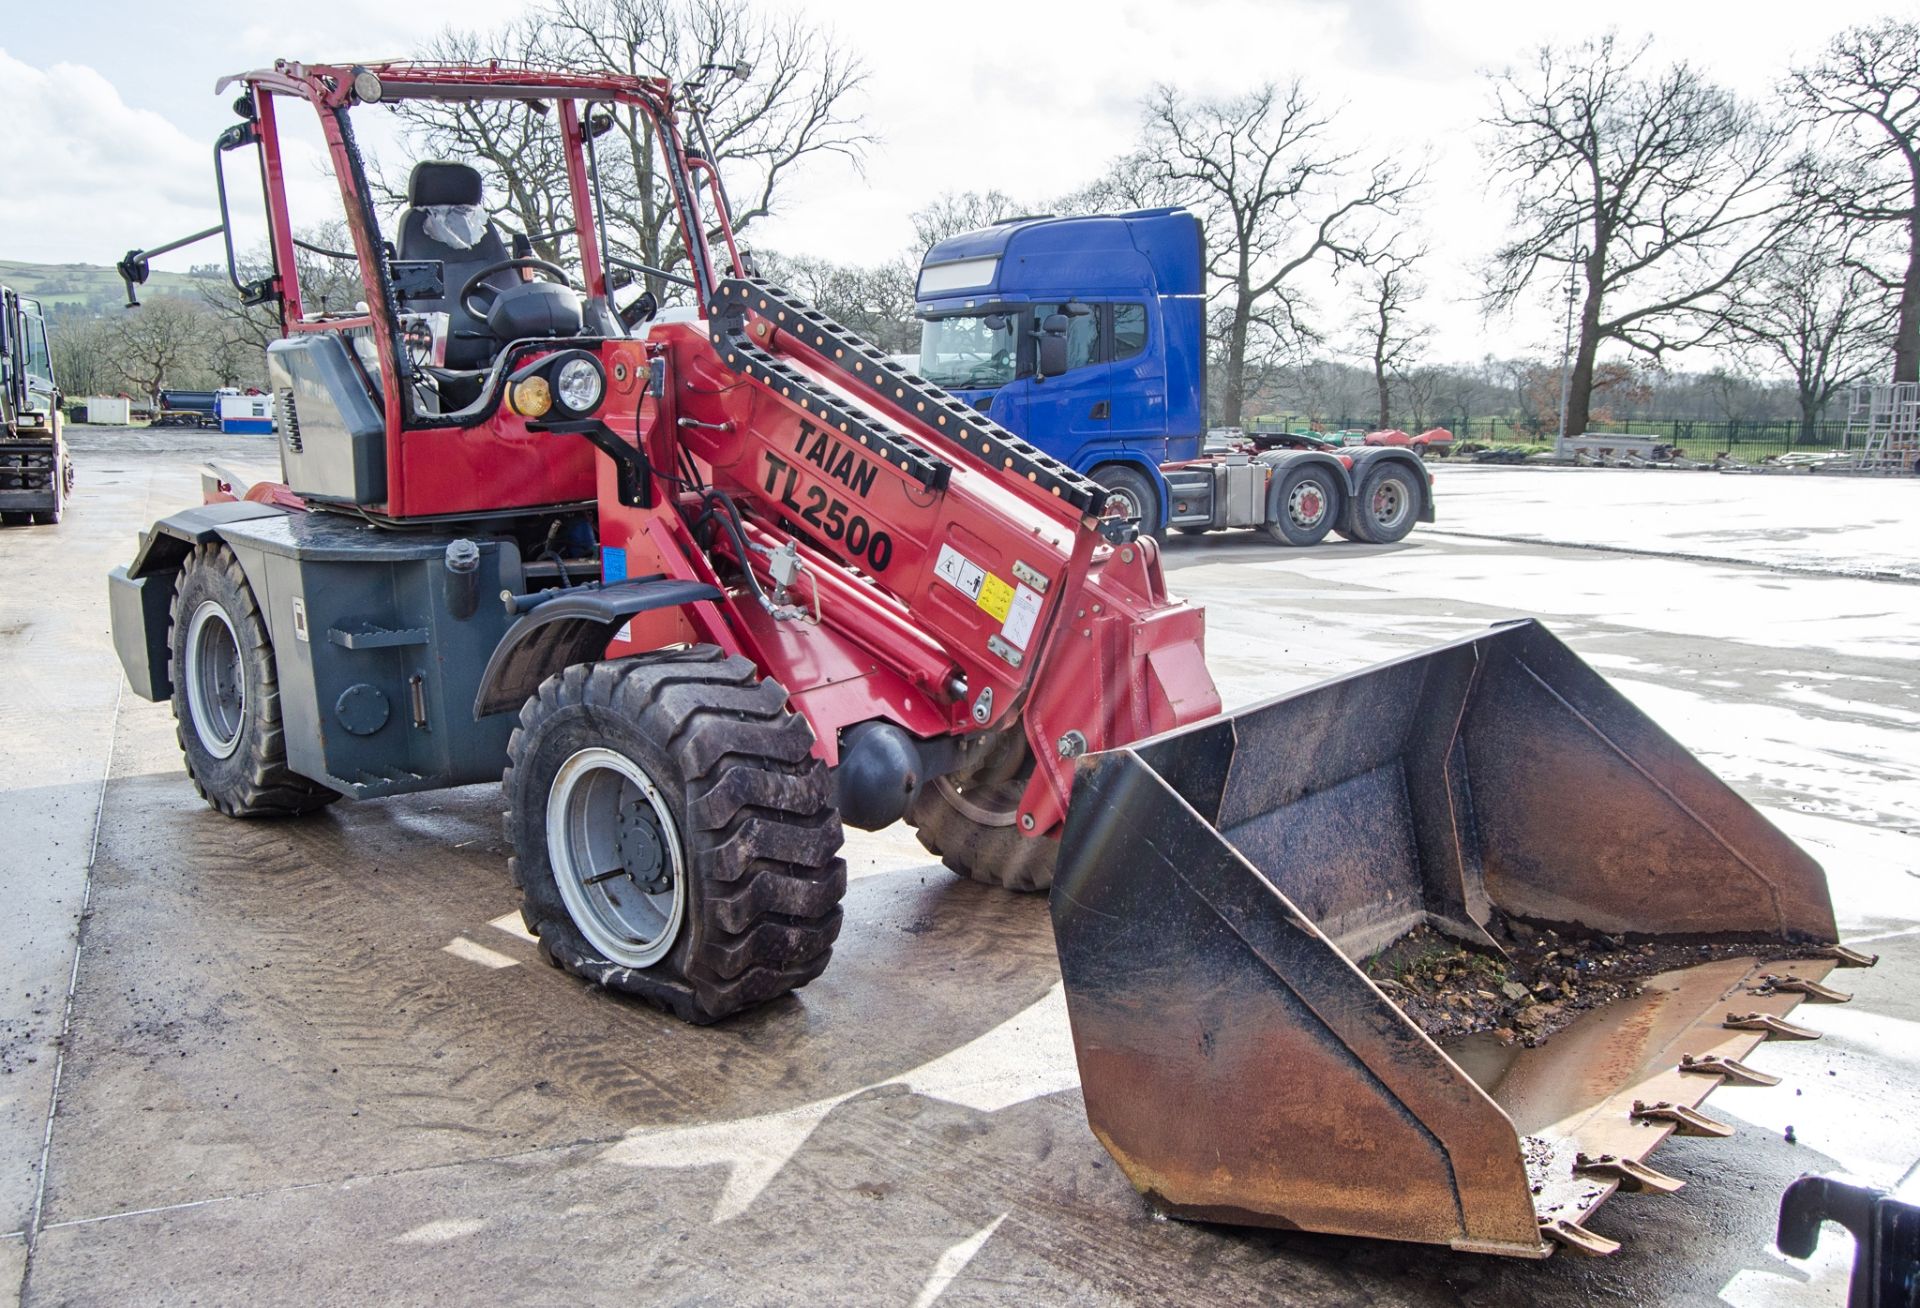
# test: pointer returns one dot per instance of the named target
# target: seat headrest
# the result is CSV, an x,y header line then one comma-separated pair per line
x,y
443,183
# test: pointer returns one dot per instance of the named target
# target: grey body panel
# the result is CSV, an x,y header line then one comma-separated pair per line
x,y
140,609
376,674
333,437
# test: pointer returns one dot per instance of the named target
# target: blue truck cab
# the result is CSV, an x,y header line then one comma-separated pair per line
x,y
1128,293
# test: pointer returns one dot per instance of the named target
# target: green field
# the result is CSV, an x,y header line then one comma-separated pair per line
x,y
88,288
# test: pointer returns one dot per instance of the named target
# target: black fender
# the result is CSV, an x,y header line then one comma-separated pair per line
x,y
166,545
1365,457
140,595
572,627
1285,461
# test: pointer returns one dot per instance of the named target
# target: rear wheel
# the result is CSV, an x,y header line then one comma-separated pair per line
x,y
1306,508
1385,508
674,837
11,519
226,694
1138,497
971,821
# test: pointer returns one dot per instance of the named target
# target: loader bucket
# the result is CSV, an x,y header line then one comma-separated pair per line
x,y
1220,887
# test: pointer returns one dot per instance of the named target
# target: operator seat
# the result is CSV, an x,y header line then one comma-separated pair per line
x,y
431,184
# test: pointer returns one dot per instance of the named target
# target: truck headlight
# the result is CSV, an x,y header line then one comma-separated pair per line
x,y
578,384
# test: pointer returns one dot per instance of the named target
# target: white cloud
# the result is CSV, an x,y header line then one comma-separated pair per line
x,y
94,176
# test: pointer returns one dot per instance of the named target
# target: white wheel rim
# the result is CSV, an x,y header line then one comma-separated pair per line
x,y
1307,504
216,683
1389,504
611,836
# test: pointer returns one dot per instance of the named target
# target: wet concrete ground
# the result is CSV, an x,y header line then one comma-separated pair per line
x,y
318,1062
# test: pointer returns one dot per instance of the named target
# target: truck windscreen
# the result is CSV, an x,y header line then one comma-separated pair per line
x,y
967,353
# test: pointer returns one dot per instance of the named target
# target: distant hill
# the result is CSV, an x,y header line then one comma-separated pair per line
x,y
84,289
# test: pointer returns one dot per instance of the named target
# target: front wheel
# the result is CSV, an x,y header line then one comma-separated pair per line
x,y
1306,506
674,837
1135,493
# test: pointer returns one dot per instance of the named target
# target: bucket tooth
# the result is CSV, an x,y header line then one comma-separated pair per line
x,y
1774,983
1845,957
1578,1238
1631,1175
1686,1121
1735,1071
1776,1027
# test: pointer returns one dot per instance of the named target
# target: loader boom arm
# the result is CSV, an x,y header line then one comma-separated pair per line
x,y
912,511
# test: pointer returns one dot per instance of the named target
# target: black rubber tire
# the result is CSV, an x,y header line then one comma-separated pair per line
x,y
1281,526
254,780
1360,525
12,519
760,834
993,852
1138,488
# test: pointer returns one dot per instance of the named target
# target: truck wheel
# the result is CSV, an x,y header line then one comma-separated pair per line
x,y
1384,510
1306,507
970,821
11,519
226,695
1136,490
674,837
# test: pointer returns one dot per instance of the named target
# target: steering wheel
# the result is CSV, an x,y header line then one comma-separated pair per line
x,y
477,282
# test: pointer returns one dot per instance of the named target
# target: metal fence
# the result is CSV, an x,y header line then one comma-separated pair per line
x,y
1747,439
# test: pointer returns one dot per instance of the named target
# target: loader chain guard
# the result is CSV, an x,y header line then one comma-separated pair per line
x,y
870,367
1219,886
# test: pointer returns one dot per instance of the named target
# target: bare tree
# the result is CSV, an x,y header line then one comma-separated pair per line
x,y
1867,91
1817,310
876,301
963,211
1275,194
165,339
1133,181
242,332
1662,189
516,147
796,105
1388,291
1422,386
83,357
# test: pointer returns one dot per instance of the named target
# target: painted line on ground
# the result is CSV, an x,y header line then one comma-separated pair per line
x,y
461,947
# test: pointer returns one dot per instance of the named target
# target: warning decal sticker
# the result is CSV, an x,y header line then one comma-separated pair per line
x,y
959,571
1021,617
996,597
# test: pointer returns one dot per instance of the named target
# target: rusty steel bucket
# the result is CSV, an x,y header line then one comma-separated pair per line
x,y
1220,885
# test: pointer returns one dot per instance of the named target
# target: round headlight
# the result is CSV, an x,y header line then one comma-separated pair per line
x,y
530,397
578,384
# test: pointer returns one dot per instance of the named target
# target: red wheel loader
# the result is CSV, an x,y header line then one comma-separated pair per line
x,y
702,587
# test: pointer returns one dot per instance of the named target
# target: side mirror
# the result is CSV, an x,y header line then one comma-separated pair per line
x,y
1053,346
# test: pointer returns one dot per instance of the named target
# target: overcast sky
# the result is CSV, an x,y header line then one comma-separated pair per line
x,y
109,108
